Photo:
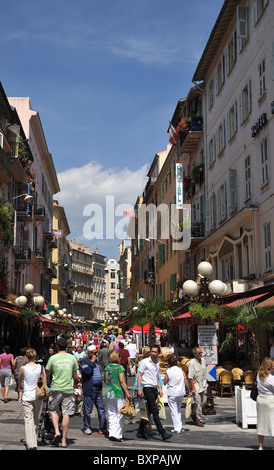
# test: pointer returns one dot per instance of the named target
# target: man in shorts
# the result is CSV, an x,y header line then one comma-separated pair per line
x,y
61,372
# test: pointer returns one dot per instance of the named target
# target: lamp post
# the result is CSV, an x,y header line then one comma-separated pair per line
x,y
29,305
204,291
58,314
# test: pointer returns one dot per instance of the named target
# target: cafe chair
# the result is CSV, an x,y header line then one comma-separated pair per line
x,y
225,382
248,379
237,375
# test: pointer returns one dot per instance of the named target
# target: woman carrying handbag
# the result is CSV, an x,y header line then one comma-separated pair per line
x,y
28,376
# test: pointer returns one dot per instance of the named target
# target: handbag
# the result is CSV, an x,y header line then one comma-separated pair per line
x,y
143,410
161,407
128,410
254,391
188,407
42,390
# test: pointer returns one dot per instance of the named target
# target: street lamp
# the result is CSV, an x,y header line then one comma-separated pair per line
x,y
204,291
57,313
28,300
29,304
27,197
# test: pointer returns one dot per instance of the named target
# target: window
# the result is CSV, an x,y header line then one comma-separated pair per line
x,y
267,245
245,102
262,77
242,26
232,121
227,269
112,285
213,211
247,178
222,202
220,75
259,7
220,138
211,93
211,151
264,160
231,53
232,179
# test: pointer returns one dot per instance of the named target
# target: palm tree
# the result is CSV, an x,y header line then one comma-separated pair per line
x,y
252,318
150,311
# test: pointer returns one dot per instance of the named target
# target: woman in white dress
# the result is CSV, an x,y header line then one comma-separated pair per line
x,y
32,406
177,383
265,400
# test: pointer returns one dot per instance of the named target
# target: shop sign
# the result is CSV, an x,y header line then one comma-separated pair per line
x,y
179,186
259,125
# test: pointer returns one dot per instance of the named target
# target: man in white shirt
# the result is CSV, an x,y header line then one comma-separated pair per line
x,y
133,357
149,387
197,377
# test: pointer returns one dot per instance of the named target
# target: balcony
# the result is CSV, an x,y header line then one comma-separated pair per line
x,y
23,211
5,168
39,213
39,253
23,256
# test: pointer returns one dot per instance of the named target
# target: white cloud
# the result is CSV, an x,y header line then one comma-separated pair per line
x,y
108,188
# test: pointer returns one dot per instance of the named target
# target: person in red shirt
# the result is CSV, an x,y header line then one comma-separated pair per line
x,y
125,357
84,339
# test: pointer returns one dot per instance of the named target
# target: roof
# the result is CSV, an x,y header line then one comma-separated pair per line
x,y
225,16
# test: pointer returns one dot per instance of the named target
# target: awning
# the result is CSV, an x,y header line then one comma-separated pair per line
x,y
184,319
268,302
51,328
138,329
245,300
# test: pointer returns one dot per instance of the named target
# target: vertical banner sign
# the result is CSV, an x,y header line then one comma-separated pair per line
x,y
179,186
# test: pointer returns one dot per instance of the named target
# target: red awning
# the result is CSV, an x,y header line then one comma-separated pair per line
x,y
267,302
138,329
9,309
184,319
245,300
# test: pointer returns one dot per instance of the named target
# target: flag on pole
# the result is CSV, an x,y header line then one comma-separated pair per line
x,y
173,134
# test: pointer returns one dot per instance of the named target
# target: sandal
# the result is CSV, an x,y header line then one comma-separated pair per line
x,y
56,440
116,439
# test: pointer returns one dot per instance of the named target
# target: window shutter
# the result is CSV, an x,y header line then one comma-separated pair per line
x,y
249,97
232,190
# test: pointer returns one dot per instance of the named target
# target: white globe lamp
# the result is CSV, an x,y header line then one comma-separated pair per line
x,y
190,288
204,268
217,287
29,288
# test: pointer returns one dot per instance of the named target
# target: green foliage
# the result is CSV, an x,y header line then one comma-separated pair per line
x,y
149,311
6,230
28,315
204,313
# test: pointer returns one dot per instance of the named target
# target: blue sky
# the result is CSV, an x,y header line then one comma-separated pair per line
x,y
105,77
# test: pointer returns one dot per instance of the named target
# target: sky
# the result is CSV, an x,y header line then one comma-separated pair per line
x,y
105,77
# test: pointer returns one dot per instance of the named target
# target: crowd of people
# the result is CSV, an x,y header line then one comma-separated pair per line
x,y
86,362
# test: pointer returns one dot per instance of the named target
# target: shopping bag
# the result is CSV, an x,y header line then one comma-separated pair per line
x,y
188,408
143,410
161,408
128,410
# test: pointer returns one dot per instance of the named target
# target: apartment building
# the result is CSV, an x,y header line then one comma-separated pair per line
x,y
99,286
112,269
237,72
28,183
60,293
125,260
81,273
